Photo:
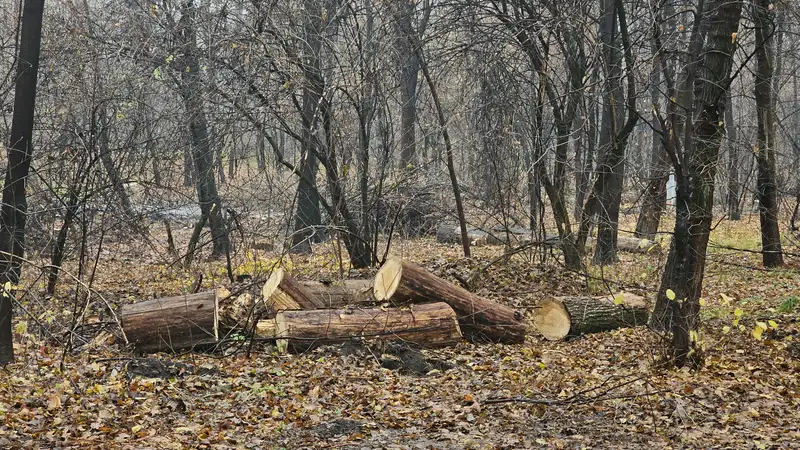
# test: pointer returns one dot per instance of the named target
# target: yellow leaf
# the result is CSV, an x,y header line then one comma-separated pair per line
x,y
702,301
693,337
136,428
738,312
726,329
670,294
757,331
619,299
21,327
773,324
761,325
54,401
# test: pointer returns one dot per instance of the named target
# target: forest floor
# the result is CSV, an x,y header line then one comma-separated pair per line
x,y
604,390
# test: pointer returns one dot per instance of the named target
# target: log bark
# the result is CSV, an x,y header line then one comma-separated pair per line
x,y
558,318
348,292
635,245
172,323
401,282
428,325
451,234
282,292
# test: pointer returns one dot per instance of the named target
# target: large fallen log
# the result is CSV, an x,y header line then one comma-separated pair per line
x,y
558,318
282,292
481,320
429,325
451,234
340,294
172,323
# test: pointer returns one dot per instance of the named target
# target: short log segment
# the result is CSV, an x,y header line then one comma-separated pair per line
x,y
429,325
282,292
558,318
634,245
172,323
348,292
401,282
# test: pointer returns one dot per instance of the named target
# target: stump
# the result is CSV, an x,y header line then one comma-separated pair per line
x,y
558,318
172,323
348,292
283,292
401,282
429,325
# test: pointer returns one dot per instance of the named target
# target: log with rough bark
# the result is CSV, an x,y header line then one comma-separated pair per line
x,y
340,294
282,292
429,325
635,245
172,323
401,282
558,318
451,234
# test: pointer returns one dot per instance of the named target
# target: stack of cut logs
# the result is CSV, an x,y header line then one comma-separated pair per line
x,y
403,303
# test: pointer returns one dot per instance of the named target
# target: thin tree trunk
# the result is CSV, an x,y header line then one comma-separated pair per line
x,y
734,186
655,195
203,154
683,274
15,205
765,152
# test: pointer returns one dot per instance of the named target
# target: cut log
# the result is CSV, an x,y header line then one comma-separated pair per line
x,y
348,292
401,282
172,323
560,317
282,292
451,234
635,245
429,325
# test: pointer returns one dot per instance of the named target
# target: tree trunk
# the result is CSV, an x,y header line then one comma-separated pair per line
x,y
15,205
655,195
401,282
734,187
612,163
172,323
203,156
558,318
683,274
308,215
765,152
430,325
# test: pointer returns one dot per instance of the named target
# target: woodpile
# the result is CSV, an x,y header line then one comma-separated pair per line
x,y
404,303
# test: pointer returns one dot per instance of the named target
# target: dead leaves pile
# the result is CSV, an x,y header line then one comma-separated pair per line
x,y
599,391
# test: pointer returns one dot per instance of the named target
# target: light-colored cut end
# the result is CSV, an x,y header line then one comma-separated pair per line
x,y
265,329
552,320
272,283
282,333
388,279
